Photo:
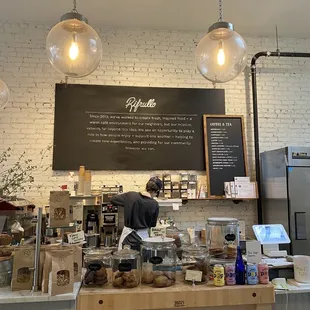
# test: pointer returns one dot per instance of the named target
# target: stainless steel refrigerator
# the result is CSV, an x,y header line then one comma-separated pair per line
x,y
286,194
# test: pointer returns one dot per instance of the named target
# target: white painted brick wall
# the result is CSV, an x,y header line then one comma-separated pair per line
x,y
149,58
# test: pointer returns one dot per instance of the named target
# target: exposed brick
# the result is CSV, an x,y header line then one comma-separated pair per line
x,y
144,57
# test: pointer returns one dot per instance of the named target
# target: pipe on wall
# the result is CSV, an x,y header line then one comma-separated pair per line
x,y
255,117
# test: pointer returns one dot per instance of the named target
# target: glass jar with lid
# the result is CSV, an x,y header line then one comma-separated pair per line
x,y
126,268
98,267
195,264
181,238
222,239
158,261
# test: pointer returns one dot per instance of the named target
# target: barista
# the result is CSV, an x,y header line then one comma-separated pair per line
x,y
140,213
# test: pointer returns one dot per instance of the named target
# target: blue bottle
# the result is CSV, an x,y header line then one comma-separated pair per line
x,y
240,268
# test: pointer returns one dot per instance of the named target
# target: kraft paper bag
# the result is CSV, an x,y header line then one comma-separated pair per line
x,y
61,277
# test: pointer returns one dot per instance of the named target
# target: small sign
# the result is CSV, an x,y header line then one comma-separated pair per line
x,y
155,260
124,267
76,237
193,275
175,207
253,252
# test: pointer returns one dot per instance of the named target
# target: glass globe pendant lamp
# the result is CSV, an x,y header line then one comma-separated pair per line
x,y
4,94
73,47
221,54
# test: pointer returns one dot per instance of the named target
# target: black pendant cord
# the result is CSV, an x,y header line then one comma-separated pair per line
x,y
255,117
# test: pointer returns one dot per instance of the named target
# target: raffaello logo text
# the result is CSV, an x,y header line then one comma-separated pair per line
x,y
133,104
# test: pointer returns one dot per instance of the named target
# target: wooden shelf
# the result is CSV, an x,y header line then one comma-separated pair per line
x,y
219,198
181,295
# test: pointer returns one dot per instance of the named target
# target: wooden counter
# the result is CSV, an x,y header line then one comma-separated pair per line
x,y
181,295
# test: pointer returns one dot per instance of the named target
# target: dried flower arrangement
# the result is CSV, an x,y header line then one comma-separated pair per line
x,y
20,176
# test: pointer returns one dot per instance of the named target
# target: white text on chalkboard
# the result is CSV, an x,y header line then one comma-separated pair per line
x,y
133,104
221,124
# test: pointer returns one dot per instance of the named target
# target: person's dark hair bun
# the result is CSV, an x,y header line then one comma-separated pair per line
x,y
154,185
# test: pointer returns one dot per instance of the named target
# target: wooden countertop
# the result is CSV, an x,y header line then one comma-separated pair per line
x,y
181,295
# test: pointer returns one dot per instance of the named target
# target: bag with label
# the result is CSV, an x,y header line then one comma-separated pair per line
x,y
47,264
61,277
59,209
77,263
23,264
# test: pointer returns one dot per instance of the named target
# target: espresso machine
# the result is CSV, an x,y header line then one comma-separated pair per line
x,y
109,216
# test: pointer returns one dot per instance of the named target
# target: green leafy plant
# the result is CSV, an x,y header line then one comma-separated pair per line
x,y
20,176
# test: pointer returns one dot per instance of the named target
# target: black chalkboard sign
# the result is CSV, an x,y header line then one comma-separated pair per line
x,y
131,128
224,150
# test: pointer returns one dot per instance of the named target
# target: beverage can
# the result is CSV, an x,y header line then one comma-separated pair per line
x,y
219,275
263,273
251,274
230,274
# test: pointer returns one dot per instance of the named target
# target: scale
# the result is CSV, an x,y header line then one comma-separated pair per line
x,y
270,236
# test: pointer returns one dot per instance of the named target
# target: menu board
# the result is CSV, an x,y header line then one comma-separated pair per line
x,y
225,151
131,128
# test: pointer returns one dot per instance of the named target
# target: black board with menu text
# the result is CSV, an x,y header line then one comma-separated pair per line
x,y
224,150
131,128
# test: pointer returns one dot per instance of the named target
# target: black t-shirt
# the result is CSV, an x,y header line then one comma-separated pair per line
x,y
140,211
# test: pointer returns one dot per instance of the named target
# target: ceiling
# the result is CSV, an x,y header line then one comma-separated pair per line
x,y
251,17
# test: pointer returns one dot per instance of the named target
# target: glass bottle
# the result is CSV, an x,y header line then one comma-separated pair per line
x,y
240,268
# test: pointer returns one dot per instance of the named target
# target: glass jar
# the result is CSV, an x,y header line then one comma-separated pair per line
x,y
222,239
158,261
195,264
98,267
181,238
126,268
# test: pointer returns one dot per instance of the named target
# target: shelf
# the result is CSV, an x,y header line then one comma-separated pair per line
x,y
84,197
169,202
219,198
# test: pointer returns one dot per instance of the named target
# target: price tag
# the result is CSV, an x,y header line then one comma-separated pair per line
x,y
175,207
193,275
76,237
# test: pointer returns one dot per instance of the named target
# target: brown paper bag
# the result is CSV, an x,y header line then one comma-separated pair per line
x,y
61,278
23,264
77,263
59,209
47,264
46,271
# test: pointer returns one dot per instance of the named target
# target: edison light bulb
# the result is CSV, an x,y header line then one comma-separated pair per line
x,y
74,51
221,55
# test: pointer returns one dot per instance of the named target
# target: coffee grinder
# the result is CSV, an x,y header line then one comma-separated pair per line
x,y
109,216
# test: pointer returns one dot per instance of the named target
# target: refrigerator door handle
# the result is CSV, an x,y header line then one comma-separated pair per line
x,y
300,226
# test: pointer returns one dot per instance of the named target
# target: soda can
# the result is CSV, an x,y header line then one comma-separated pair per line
x,y
251,274
230,274
263,273
219,275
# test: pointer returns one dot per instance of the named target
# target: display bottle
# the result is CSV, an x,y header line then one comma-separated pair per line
x,y
240,268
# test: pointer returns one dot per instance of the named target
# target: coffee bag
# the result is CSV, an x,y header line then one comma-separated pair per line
x,y
23,264
77,263
59,209
47,265
61,277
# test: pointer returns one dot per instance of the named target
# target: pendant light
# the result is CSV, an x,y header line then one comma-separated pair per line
x,y
73,47
221,54
4,94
